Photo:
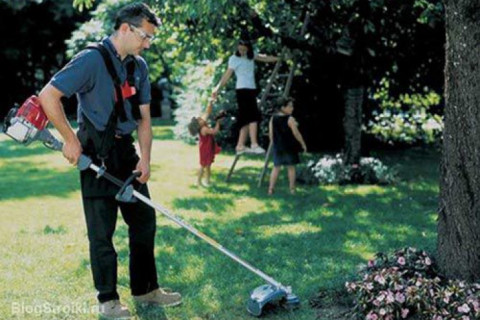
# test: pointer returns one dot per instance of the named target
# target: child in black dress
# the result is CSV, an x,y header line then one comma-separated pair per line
x,y
287,140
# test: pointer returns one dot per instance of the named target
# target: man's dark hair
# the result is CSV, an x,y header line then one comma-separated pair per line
x,y
283,102
134,14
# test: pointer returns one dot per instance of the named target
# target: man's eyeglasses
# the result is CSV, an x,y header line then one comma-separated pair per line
x,y
142,34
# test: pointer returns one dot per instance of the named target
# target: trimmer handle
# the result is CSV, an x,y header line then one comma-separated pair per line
x,y
125,194
83,163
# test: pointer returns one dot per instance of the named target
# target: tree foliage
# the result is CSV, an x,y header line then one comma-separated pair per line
x,y
347,42
33,45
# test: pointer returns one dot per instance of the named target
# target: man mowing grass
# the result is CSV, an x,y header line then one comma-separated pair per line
x,y
113,90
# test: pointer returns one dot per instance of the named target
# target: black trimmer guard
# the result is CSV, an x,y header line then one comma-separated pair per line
x,y
269,294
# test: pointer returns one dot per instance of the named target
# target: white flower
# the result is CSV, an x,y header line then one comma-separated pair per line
x,y
428,261
381,297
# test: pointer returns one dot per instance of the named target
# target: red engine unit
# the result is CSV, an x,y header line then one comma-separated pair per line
x,y
32,112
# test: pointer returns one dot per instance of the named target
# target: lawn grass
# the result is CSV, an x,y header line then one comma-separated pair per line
x,y
311,241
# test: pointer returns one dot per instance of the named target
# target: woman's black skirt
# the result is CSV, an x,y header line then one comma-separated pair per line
x,y
247,107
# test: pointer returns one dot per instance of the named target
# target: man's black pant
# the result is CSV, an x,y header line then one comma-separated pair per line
x,y
101,217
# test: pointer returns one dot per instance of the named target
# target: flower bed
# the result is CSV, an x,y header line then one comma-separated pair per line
x,y
406,284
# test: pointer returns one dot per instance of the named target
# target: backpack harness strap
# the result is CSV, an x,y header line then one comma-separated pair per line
x,y
103,141
119,107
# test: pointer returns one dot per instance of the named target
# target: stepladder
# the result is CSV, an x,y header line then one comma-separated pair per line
x,y
267,94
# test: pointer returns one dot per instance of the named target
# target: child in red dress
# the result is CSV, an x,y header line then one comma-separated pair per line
x,y
206,143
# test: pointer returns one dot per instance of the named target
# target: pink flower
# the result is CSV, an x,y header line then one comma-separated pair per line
x,y
350,286
465,318
401,261
390,297
372,316
435,317
369,286
476,305
371,263
382,312
380,279
428,261
405,313
419,282
397,287
464,308
400,297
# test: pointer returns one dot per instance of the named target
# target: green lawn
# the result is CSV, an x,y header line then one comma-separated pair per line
x,y
311,241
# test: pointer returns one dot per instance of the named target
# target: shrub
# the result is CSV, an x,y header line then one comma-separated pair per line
x,y
332,170
407,283
192,96
409,119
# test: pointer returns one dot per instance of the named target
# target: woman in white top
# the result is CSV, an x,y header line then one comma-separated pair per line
x,y
242,63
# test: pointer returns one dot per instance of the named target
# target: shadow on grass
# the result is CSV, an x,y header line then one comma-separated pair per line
x,y
159,122
308,241
218,205
149,313
19,180
315,239
12,149
163,129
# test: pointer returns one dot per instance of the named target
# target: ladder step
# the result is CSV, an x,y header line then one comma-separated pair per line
x,y
274,95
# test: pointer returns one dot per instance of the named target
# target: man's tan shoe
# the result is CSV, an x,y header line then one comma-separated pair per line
x,y
159,297
113,309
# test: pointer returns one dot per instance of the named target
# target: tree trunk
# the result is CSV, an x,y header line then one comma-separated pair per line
x,y
352,124
459,211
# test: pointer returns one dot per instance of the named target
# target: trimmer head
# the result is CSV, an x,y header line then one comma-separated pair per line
x,y
269,294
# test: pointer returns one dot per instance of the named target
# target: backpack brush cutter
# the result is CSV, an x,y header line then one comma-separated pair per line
x,y
28,123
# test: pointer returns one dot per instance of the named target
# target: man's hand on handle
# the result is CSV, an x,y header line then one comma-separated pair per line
x,y
144,167
72,149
